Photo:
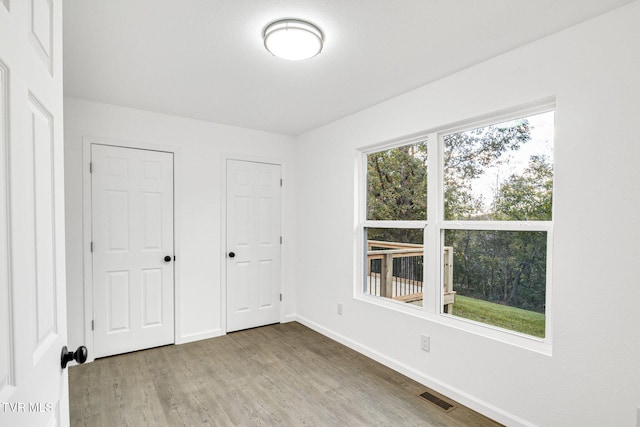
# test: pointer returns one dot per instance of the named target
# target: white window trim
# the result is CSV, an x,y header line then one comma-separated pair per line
x,y
434,228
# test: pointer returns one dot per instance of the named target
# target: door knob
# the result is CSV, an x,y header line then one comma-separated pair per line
x,y
167,259
232,254
80,356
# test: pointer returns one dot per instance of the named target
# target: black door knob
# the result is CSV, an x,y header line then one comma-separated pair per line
x,y
80,356
232,254
167,259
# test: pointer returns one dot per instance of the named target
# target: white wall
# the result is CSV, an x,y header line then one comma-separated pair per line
x,y
592,377
201,146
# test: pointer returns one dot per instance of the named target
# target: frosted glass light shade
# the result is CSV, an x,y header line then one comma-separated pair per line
x,y
293,39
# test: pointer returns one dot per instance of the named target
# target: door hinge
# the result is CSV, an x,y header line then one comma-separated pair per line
x,y
91,246
92,325
280,239
90,167
280,297
280,182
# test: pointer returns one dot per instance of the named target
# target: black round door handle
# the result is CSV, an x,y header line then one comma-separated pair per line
x,y
80,356
232,254
167,259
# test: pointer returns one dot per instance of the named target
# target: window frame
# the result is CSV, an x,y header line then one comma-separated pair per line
x,y
434,228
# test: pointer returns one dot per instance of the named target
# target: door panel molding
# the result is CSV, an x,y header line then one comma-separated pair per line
x,y
87,142
45,298
41,30
7,366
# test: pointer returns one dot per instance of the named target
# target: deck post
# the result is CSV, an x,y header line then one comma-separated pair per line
x,y
386,276
448,292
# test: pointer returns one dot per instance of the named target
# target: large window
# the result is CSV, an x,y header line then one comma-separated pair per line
x,y
480,237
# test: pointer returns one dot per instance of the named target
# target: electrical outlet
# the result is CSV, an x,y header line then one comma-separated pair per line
x,y
425,343
339,309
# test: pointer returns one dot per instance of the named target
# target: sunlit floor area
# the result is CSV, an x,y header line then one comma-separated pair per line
x,y
283,374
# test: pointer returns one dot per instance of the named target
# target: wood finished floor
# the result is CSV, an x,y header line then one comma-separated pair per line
x,y
282,374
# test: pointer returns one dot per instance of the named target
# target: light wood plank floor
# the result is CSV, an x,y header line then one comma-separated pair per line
x,y
282,374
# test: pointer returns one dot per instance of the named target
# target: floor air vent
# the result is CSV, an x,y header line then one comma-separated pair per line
x,y
443,404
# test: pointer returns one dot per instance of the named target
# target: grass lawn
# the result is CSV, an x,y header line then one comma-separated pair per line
x,y
515,319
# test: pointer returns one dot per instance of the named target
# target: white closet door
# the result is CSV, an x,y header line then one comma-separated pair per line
x,y
132,236
253,244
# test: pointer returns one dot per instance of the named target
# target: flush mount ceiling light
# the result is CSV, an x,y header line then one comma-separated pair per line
x,y
293,39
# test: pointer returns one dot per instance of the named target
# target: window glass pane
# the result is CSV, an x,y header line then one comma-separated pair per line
x,y
397,183
500,172
499,278
394,264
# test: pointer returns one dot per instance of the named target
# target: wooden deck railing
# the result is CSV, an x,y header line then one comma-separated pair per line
x,y
403,279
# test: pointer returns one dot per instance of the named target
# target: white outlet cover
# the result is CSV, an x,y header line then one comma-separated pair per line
x,y
425,343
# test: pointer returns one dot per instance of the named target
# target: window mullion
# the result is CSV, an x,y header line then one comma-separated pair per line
x,y
431,239
394,224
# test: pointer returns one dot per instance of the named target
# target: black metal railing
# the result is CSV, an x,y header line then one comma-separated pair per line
x,y
407,272
395,270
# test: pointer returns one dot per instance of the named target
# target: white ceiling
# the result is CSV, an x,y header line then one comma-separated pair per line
x,y
205,59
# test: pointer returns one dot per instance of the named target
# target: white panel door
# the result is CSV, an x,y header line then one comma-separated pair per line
x,y
33,385
132,235
253,244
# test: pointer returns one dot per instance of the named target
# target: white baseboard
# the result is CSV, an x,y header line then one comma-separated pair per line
x,y
197,336
290,318
460,396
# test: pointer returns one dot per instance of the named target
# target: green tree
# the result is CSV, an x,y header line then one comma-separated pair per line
x,y
509,267
506,267
467,155
397,178
397,183
527,197
397,190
